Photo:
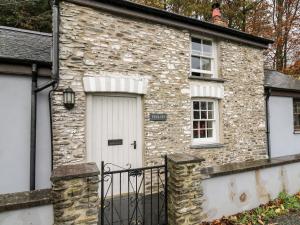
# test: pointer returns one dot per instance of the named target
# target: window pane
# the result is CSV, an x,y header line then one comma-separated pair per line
x,y
196,115
207,48
196,63
196,105
196,44
203,105
297,114
202,134
196,74
206,64
195,124
202,125
203,114
209,133
297,107
210,106
210,114
297,121
195,134
209,124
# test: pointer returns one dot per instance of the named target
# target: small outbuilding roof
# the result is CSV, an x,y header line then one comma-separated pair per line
x,y
280,81
24,46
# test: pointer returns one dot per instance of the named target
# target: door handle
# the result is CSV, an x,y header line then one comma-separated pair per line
x,y
134,144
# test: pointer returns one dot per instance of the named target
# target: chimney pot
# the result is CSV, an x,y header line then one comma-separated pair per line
x,y
217,15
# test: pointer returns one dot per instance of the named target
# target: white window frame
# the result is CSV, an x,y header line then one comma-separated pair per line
x,y
295,100
214,60
215,138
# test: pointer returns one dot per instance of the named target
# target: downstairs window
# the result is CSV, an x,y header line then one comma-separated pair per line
x,y
205,121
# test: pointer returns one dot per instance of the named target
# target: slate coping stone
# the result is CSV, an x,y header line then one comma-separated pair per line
x,y
180,158
73,171
233,168
26,199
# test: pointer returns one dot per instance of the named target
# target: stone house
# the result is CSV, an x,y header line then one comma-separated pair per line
x,y
148,83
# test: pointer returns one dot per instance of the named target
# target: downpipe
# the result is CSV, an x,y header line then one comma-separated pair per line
x,y
33,127
268,93
35,90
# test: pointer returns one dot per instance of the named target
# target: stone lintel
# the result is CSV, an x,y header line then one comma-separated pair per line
x,y
26,199
73,171
181,158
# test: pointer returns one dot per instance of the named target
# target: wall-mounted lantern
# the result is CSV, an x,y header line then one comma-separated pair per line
x,y
69,98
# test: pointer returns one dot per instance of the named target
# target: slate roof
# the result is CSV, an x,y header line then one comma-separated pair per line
x,y
25,46
277,80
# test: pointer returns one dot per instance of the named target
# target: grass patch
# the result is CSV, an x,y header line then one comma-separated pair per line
x,y
262,215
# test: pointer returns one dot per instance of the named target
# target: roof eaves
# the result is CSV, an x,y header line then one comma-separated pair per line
x,y
25,31
24,61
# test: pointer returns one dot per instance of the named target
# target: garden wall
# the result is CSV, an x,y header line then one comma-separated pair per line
x,y
27,208
234,188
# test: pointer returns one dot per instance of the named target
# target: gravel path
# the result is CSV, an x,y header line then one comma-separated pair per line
x,y
290,219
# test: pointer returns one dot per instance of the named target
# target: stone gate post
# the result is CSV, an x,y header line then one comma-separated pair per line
x,y
75,194
184,190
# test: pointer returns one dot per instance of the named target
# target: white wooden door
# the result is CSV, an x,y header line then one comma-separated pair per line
x,y
114,130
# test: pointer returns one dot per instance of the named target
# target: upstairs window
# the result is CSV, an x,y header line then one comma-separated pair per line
x,y
297,115
203,59
205,119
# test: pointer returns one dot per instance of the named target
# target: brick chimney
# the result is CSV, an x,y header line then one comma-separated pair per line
x,y
217,15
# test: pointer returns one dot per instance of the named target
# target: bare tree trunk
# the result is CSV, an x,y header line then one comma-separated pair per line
x,y
279,34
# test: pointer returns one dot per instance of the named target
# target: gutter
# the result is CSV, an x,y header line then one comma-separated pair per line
x,y
24,61
268,93
35,89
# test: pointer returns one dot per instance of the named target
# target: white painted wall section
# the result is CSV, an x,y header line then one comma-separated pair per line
x,y
207,89
231,194
40,215
120,84
15,102
283,140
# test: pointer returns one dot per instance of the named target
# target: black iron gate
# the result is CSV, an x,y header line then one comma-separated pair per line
x,y
133,196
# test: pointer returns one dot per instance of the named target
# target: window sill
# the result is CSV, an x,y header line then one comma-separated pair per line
x,y
206,146
296,131
217,80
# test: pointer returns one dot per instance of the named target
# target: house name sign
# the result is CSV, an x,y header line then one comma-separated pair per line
x,y
158,117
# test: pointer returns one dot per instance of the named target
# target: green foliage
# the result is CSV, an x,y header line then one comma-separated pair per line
x,y
26,14
289,202
262,215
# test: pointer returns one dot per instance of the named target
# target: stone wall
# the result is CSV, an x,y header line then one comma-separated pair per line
x,y
93,41
184,190
75,194
242,110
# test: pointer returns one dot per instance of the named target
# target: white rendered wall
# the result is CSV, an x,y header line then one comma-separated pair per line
x,y
15,102
41,215
231,194
283,140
